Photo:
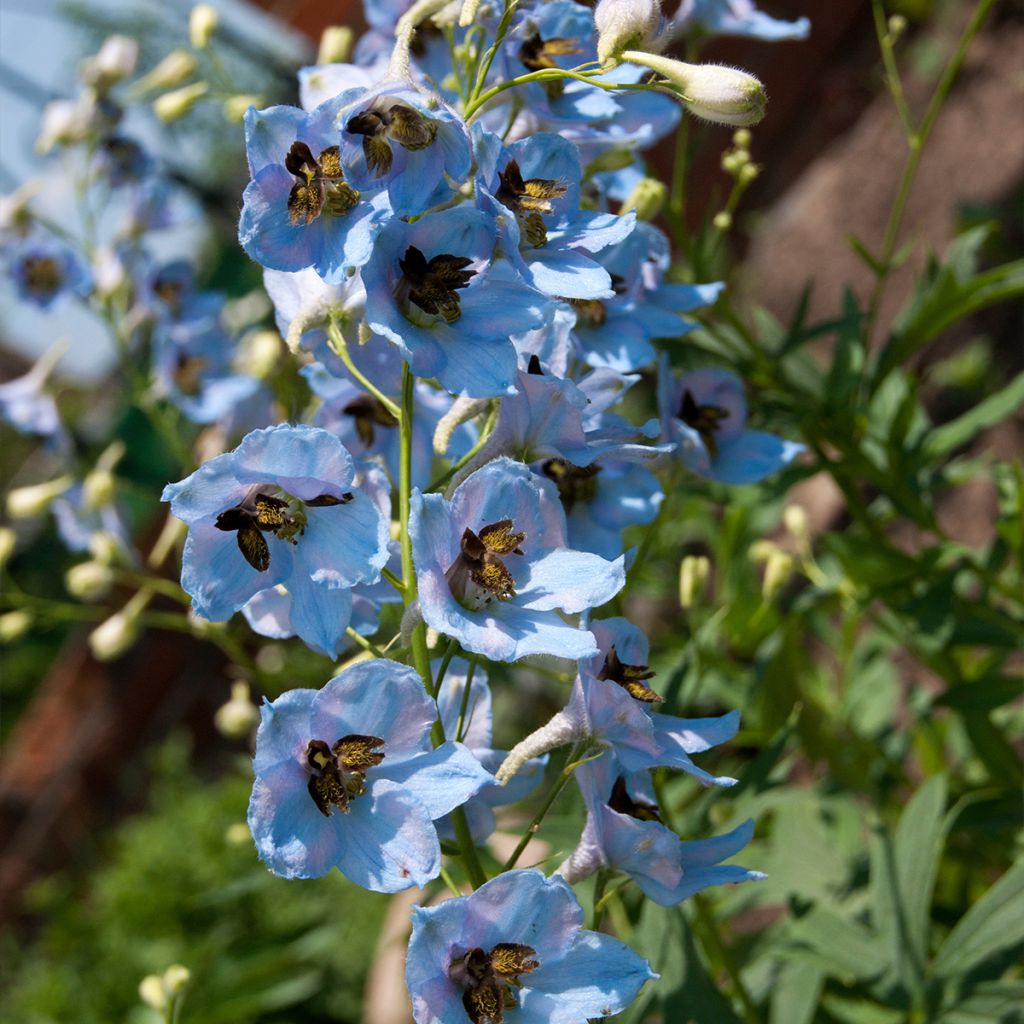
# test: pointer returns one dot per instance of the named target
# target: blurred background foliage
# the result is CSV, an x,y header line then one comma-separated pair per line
x,y
874,652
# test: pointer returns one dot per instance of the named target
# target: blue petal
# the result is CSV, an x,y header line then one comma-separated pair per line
x,y
390,842
320,615
570,580
304,461
442,779
751,457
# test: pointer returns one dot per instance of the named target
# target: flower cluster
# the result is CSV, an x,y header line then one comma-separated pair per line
x,y
463,265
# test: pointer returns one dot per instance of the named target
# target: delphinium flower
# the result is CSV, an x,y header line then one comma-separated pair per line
x,y
409,142
624,832
300,209
466,716
28,407
534,187
44,269
493,568
435,289
735,18
517,944
346,778
280,508
705,413
617,331
611,708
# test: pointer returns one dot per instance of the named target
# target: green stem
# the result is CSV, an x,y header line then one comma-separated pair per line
x,y
719,952
485,433
499,37
366,645
453,646
393,579
460,725
467,848
917,141
340,347
892,75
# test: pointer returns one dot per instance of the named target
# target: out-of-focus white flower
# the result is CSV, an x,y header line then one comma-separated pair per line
x,y
115,61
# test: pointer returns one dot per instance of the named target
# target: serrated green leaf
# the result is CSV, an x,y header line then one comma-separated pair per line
x,y
994,924
796,992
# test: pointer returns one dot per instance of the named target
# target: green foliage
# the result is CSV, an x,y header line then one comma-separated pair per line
x,y
174,888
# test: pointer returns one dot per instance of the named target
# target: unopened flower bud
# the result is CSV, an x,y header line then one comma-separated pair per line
x,y
777,571
176,977
897,26
694,571
762,550
625,25
202,23
731,162
104,547
714,92
748,172
8,538
722,220
152,993
335,45
239,716
174,105
238,834
89,581
171,71
62,122
14,625
111,638
98,489
647,198
14,211
261,353
236,106
115,60
794,517
741,138
34,500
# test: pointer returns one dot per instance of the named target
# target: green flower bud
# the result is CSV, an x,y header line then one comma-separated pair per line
x,y
335,45
171,71
174,105
694,571
202,23
34,500
15,624
647,198
88,581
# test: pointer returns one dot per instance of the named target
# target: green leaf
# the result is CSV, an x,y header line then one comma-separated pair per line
x,y
994,1002
848,359
919,840
847,949
949,292
796,992
942,440
992,926
871,262
697,997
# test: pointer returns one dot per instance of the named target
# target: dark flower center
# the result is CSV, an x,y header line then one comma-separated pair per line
x,y
528,200
188,374
533,366
320,185
591,312
43,275
260,512
368,412
479,574
338,774
539,54
705,419
621,802
629,677
385,122
432,285
574,483
488,980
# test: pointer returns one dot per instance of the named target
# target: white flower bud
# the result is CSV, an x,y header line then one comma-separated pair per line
x,y
462,410
111,638
238,834
261,353
105,548
8,539
646,198
171,71
762,550
34,500
176,977
174,105
239,716
236,106
335,45
567,725
14,211
693,575
202,23
722,220
777,571
714,92
88,581
115,60
794,517
152,992
63,122
14,625
741,138
108,272
625,25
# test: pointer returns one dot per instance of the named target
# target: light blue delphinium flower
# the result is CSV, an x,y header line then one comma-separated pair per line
x,y
533,188
434,289
624,831
409,142
321,623
492,566
346,778
735,18
705,413
610,708
29,408
517,942
300,210
280,508
45,269
617,332
466,716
